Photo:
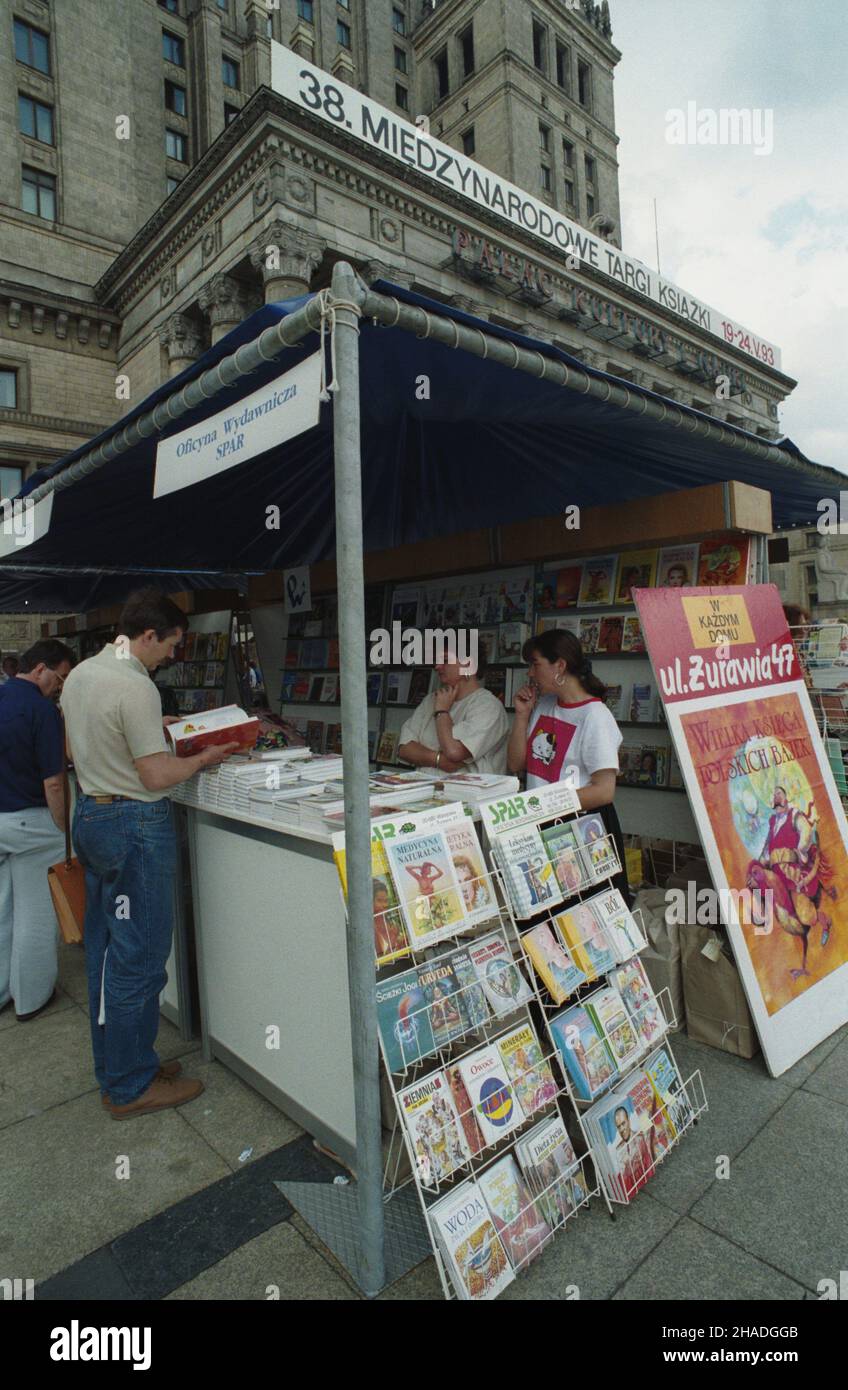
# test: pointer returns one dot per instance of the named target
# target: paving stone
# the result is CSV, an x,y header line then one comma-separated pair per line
x,y
831,1078
234,1119
44,1063
784,1200
693,1263
277,1264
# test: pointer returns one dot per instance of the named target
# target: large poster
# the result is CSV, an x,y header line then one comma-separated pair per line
x,y
768,811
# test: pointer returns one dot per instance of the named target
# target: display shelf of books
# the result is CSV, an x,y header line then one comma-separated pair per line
x,y
198,672
580,944
477,1104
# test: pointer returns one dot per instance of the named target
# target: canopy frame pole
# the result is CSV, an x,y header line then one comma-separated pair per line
x,y
345,298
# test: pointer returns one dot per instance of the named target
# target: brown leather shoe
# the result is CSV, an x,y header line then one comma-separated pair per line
x,y
162,1093
167,1069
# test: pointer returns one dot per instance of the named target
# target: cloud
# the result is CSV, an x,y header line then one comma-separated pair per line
x,y
761,238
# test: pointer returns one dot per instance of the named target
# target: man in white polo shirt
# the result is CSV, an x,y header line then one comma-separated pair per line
x,y
124,837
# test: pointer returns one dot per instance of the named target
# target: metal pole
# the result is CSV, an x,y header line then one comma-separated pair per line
x,y
346,297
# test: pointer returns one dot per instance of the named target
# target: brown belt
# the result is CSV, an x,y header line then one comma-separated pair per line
x,y
107,800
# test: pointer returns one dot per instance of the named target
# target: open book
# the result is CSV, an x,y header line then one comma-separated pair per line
x,y
226,725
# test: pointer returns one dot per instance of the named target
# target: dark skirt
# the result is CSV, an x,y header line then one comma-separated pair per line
x,y
609,816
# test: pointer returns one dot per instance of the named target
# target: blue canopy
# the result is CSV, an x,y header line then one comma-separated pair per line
x,y
450,442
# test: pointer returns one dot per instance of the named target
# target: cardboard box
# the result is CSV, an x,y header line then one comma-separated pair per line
x,y
717,1012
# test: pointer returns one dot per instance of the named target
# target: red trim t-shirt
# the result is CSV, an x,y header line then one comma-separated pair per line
x,y
583,735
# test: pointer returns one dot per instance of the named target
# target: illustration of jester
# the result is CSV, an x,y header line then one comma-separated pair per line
x,y
792,867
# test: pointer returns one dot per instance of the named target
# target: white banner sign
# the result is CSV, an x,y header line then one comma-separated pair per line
x,y
23,522
296,587
316,91
287,406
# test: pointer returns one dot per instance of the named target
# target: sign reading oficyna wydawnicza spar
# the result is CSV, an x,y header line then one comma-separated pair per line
x,y
341,106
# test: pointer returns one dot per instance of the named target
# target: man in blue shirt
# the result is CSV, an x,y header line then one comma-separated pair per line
x,y
31,822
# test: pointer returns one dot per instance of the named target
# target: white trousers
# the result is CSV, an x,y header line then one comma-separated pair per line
x,y
29,844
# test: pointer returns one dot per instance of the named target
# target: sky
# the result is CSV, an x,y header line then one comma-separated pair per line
x,y
761,237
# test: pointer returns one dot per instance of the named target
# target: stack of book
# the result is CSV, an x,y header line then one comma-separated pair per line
x,y
603,1036
632,1128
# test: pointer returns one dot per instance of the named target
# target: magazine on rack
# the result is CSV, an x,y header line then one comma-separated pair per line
x,y
497,1108
427,886
619,924
552,963
623,1137
550,1166
475,882
518,1220
584,1052
599,848
528,1069
435,1132
471,1247
503,984
585,938
527,872
403,1020
567,856
639,1000
606,1009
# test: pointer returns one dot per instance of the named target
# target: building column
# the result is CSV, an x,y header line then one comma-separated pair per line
x,y
286,259
183,339
257,50
224,300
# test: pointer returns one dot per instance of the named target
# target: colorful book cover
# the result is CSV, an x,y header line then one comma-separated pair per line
x,y
620,926
597,583
673,1103
405,607
434,1129
440,988
614,700
584,937
632,641
550,1165
511,639
584,1052
471,996
724,560
301,686
464,1109
496,1107
643,704
566,854
390,938
639,1000
612,1019
475,882
678,567
589,633
528,873
598,843
374,688
495,681
503,984
552,963
637,570
611,633
528,1069
387,747
518,1222
628,1146
477,1262
426,885
403,1020
398,684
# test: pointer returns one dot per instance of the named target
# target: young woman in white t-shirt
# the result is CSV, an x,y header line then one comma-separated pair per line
x,y
562,728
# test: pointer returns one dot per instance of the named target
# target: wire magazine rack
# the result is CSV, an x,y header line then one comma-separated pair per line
x,y
437,1161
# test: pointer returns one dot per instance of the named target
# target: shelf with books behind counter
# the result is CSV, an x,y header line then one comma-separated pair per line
x,y
580,944
591,597
475,1097
497,605
310,693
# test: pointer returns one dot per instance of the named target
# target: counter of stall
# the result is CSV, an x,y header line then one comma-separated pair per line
x,y
269,922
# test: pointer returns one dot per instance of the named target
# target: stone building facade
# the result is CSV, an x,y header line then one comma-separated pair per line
x,y
142,217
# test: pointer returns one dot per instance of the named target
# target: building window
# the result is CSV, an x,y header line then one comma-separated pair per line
x,y
398,20
546,177
172,183
590,205
35,120
175,145
568,154
173,49
545,138
540,47
468,145
230,73
32,47
8,389
466,45
306,10
172,6
39,193
345,4
440,68
342,33
175,98
811,540
584,84
569,193
401,97
11,481
230,113
563,66
223,4
589,165
400,60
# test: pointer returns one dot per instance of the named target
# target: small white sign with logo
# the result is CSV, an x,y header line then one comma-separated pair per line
x,y
297,590
285,407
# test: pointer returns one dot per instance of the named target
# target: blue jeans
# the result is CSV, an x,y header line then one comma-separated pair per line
x,y
128,850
